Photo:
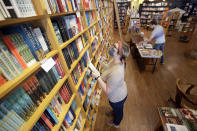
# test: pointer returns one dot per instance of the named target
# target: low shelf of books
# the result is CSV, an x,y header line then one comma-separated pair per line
x,y
44,50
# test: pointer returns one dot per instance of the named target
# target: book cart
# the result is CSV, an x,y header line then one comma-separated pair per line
x,y
83,119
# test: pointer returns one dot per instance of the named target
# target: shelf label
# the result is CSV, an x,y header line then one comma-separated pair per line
x,y
78,14
48,64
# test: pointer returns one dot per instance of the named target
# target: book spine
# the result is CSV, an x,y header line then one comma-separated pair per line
x,y
46,120
48,7
59,2
38,34
56,5
16,8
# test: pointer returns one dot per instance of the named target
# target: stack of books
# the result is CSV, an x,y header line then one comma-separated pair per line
x,y
16,9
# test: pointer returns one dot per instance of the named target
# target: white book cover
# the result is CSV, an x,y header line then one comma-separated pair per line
x,y
30,8
47,7
73,2
16,8
174,127
80,44
3,10
40,37
1,17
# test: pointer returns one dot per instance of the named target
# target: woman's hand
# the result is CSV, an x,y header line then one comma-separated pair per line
x,y
95,74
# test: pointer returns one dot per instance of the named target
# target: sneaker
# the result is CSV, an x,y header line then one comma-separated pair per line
x,y
112,124
162,63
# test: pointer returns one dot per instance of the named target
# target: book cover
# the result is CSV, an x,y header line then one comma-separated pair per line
x,y
60,5
40,37
73,25
57,32
46,120
13,5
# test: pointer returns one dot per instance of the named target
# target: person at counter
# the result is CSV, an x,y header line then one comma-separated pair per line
x,y
158,35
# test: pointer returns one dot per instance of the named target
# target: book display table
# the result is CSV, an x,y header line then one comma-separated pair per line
x,y
145,55
177,119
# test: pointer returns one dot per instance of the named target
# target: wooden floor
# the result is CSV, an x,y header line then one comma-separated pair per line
x,y
147,91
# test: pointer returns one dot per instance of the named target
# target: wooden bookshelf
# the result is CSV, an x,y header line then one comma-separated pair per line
x,y
44,19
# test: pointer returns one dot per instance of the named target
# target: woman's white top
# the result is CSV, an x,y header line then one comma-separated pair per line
x,y
114,77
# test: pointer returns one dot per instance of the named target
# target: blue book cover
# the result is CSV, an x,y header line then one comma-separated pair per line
x,y
20,29
68,120
38,45
56,6
52,115
75,49
87,19
81,89
68,27
57,76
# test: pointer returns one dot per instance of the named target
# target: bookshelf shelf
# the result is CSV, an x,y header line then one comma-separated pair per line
x,y
41,108
20,20
65,109
10,85
61,14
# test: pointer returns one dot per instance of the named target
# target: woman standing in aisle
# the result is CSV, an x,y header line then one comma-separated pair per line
x,y
112,80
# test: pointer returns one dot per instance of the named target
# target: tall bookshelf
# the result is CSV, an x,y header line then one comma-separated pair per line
x,y
122,9
103,24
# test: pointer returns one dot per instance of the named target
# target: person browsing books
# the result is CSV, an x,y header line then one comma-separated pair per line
x,y
112,80
158,35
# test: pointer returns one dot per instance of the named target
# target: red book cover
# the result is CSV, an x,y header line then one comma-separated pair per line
x,y
59,2
64,122
14,51
63,95
46,120
2,80
60,66
67,92
79,23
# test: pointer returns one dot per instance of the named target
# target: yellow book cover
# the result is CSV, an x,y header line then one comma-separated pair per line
x,y
69,6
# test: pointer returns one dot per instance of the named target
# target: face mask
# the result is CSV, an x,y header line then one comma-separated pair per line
x,y
111,51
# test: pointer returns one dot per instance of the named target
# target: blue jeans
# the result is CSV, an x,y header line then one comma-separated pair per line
x,y
160,47
118,111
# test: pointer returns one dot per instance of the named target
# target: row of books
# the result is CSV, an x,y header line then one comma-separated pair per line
x,y
49,118
89,92
90,17
16,9
60,6
154,9
155,4
67,26
20,47
79,69
72,51
88,4
93,31
79,122
82,87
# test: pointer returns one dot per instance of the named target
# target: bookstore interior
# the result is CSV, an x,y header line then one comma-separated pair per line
x,y
72,65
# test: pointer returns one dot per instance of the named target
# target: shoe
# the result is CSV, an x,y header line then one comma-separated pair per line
x,y
109,113
112,124
162,63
